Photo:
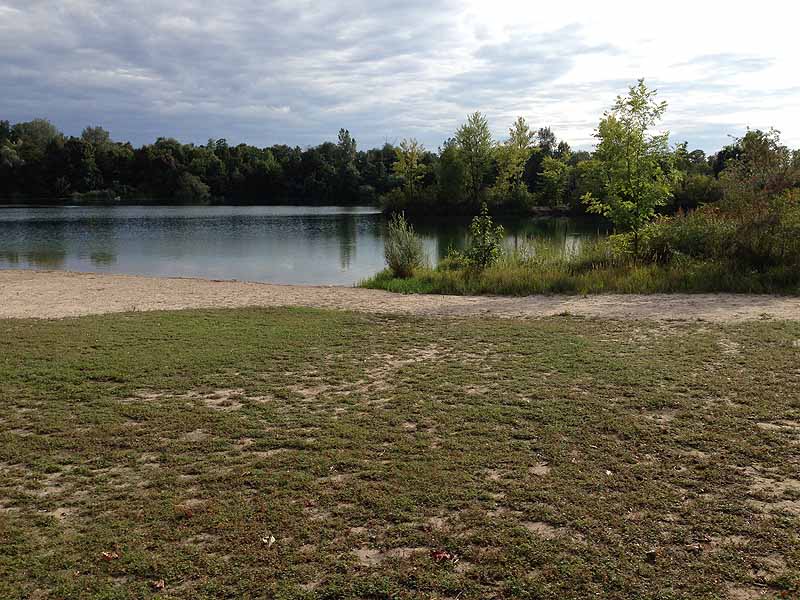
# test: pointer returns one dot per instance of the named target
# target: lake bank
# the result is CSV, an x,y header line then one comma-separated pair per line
x,y
58,294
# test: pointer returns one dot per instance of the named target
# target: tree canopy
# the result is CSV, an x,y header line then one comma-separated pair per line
x,y
631,175
634,164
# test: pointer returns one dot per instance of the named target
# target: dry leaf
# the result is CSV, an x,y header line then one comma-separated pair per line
x,y
440,555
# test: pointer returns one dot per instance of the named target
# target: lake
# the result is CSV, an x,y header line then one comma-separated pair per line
x,y
275,244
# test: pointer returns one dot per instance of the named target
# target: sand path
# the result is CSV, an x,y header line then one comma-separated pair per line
x,y
56,294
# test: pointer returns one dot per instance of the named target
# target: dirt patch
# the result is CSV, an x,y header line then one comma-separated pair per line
x,y
308,391
57,294
50,485
543,530
493,475
730,347
663,416
740,592
224,400
772,493
384,366
59,514
539,470
198,435
369,557
694,453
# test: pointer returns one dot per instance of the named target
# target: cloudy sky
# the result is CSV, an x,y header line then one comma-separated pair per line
x,y
295,71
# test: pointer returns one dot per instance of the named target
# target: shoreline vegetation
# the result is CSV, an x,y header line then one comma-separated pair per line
x,y
745,240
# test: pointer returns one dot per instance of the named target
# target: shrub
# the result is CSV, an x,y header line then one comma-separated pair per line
x,y
765,236
453,261
704,233
393,201
485,246
769,235
403,249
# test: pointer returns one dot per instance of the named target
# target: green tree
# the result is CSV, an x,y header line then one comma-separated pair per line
x,y
512,156
409,166
485,240
474,142
347,176
5,132
555,177
96,136
191,190
763,168
451,175
33,138
634,164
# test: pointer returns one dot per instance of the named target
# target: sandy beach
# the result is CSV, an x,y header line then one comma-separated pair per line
x,y
58,294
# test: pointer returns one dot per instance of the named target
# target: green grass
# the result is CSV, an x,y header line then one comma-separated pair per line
x,y
538,267
522,280
555,458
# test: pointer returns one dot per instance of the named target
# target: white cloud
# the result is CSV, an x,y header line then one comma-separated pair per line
x,y
294,72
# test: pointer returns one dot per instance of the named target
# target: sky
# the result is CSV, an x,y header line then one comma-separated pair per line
x,y
295,71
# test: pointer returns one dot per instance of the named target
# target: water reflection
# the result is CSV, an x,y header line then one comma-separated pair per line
x,y
305,245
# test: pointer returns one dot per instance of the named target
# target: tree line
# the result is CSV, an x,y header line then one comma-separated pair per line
x,y
529,169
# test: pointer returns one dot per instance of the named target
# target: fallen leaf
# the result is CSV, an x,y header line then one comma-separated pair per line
x,y
440,555
110,555
159,585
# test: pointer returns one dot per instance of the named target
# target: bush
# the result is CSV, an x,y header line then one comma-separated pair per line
x,y
704,233
485,241
769,236
766,236
393,201
453,261
403,249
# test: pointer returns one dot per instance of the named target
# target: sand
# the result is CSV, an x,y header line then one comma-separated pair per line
x,y
58,294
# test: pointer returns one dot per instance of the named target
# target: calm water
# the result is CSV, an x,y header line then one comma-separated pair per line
x,y
276,244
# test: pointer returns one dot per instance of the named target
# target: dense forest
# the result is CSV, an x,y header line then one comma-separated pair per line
x,y
529,170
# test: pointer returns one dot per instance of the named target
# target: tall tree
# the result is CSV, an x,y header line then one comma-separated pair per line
x,y
346,168
546,140
409,166
512,156
96,136
451,175
474,142
33,138
635,164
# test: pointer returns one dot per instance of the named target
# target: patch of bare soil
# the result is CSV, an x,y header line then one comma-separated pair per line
x,y
370,556
542,530
57,294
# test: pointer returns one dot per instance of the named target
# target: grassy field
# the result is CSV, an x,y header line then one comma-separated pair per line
x,y
308,454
